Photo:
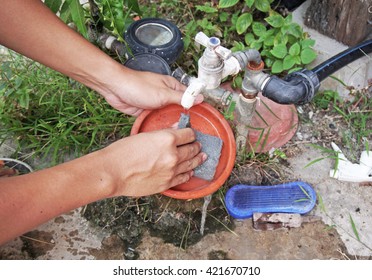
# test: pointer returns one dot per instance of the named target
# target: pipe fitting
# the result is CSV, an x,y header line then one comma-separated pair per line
x,y
296,88
244,57
253,80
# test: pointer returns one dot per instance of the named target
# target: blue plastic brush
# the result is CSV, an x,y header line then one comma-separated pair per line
x,y
294,197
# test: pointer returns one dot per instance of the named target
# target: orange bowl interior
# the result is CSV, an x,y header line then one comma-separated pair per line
x,y
206,119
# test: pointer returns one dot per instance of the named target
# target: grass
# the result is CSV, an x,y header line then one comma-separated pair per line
x,y
355,114
49,115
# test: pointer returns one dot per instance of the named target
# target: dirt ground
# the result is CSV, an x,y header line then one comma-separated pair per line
x,y
159,227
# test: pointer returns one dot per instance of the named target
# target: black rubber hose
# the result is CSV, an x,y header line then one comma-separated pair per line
x,y
300,87
342,59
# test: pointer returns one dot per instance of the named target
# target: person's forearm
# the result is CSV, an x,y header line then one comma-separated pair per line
x,y
29,200
30,28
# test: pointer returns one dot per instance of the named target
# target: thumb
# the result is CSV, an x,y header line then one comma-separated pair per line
x,y
176,98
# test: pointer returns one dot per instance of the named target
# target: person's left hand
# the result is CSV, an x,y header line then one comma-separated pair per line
x,y
133,91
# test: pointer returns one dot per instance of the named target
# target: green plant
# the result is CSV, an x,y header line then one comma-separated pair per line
x,y
355,113
113,15
50,115
70,11
324,99
254,24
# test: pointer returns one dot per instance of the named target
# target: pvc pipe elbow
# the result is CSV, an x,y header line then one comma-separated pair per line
x,y
352,172
190,94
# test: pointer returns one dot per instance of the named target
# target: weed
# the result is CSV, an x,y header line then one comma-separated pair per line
x,y
49,114
354,228
355,114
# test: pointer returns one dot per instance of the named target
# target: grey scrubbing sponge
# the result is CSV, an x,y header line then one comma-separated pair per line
x,y
211,145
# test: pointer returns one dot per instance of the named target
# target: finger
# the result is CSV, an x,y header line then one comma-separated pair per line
x,y
175,125
181,178
184,136
190,164
173,83
188,151
199,99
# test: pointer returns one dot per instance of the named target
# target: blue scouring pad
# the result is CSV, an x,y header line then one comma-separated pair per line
x,y
294,197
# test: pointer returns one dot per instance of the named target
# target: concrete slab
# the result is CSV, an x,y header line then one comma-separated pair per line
x,y
338,201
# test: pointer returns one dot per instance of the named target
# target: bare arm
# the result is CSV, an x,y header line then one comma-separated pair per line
x,y
30,28
128,167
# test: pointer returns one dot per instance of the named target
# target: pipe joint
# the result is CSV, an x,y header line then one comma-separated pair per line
x,y
296,88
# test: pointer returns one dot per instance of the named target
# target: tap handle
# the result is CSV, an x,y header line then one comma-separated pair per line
x,y
214,44
223,52
202,39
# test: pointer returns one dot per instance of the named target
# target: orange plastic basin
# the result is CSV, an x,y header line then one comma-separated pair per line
x,y
206,119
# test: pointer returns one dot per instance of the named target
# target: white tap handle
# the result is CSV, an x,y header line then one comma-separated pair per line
x,y
202,39
192,91
223,52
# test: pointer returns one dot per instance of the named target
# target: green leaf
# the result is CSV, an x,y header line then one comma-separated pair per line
x,y
77,14
295,30
133,5
280,39
354,228
54,5
227,3
269,62
24,100
288,19
258,28
244,21
306,43
295,49
224,16
295,69
249,38
275,21
268,37
65,13
288,62
262,5
256,45
307,55
277,67
249,3
279,51
206,9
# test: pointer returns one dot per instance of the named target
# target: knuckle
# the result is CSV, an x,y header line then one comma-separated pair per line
x,y
182,178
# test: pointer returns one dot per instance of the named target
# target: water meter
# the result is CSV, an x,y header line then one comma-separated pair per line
x,y
154,40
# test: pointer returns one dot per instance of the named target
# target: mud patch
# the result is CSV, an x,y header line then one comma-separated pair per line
x,y
174,221
217,255
37,243
113,248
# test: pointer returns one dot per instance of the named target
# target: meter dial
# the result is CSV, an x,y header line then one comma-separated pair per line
x,y
156,36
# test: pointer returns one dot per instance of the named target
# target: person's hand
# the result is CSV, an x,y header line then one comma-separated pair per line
x,y
149,163
132,91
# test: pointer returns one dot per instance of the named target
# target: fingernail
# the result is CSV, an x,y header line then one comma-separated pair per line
x,y
199,99
204,157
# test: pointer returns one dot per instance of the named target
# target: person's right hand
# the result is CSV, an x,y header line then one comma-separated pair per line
x,y
152,162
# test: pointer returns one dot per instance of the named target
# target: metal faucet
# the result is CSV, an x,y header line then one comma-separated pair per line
x,y
216,63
